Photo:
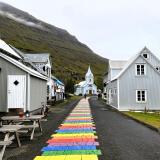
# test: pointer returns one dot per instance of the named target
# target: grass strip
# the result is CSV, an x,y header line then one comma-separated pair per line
x,y
152,119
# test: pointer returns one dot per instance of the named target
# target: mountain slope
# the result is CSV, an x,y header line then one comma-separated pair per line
x,y
70,57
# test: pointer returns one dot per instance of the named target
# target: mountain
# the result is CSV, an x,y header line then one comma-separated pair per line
x,y
70,57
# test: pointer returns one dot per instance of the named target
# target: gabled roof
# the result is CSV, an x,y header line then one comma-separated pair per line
x,y
146,50
23,67
34,57
114,64
57,80
43,58
20,53
5,47
26,60
132,59
40,57
82,83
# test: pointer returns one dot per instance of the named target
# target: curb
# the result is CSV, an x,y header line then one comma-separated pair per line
x,y
130,117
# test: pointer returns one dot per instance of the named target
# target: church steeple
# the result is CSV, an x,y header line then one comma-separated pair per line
x,y
89,76
89,72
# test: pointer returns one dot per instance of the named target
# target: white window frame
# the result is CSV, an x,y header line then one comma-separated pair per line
x,y
141,96
140,69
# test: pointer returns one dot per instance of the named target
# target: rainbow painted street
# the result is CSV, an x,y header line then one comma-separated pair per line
x,y
75,139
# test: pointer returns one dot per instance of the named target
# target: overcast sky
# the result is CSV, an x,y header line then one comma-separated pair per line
x,y
115,29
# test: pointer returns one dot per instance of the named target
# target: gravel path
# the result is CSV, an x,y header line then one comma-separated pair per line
x,y
122,138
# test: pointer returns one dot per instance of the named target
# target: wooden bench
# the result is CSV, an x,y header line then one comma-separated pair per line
x,y
8,138
34,119
4,144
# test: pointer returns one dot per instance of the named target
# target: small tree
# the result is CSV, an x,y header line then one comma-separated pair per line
x,y
69,86
99,83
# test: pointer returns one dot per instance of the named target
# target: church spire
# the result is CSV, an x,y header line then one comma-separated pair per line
x,y
89,72
89,76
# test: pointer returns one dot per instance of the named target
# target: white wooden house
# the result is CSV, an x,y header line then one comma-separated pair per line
x,y
42,62
134,84
20,86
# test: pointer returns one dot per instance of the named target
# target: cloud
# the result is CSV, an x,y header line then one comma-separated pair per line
x,y
21,20
113,28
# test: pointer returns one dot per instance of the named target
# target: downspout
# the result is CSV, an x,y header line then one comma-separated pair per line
x,y
118,93
28,92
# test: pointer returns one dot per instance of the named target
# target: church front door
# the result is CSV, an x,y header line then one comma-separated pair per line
x,y
90,92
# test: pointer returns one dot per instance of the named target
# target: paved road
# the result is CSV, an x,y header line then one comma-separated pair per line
x,y
121,138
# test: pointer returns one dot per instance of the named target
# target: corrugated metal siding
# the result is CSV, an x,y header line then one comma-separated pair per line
x,y
38,93
114,97
129,83
6,69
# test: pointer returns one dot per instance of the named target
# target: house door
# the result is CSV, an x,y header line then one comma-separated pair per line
x,y
90,92
16,91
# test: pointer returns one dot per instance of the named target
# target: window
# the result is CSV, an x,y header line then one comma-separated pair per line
x,y
140,69
115,91
157,68
48,89
141,96
145,55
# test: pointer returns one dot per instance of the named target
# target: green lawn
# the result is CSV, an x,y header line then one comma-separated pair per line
x,y
149,118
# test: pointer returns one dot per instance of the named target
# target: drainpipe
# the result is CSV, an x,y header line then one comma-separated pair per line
x,y
28,92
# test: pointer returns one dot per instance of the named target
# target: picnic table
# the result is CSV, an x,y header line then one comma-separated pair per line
x,y
8,138
34,119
